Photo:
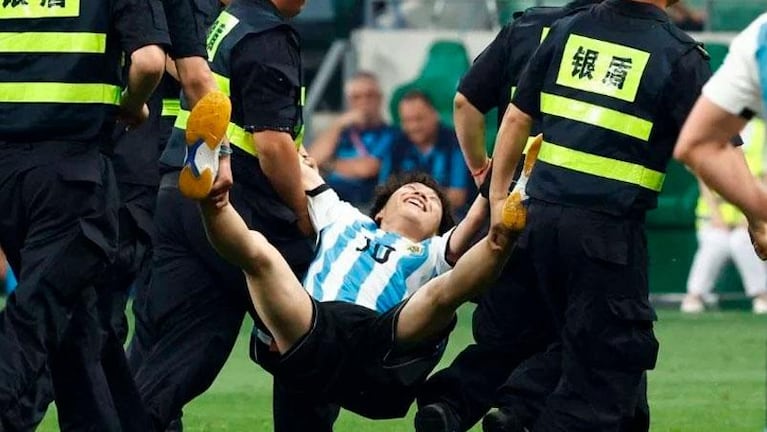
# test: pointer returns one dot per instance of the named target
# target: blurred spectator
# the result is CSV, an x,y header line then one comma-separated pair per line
x,y
723,236
428,146
687,18
351,149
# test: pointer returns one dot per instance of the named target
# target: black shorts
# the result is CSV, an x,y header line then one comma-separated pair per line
x,y
349,358
188,22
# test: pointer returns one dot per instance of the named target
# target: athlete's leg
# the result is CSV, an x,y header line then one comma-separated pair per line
x,y
278,297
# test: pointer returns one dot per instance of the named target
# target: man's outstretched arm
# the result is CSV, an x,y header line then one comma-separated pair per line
x,y
226,229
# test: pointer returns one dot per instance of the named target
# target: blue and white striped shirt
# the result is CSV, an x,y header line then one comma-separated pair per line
x,y
359,263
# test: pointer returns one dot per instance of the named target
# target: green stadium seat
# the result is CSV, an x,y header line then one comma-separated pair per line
x,y
717,52
445,64
735,15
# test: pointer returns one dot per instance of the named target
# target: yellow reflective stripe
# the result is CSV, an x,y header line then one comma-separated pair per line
x,y
224,24
596,115
40,9
302,99
544,33
170,107
241,139
601,166
59,93
53,42
602,67
238,136
513,92
222,82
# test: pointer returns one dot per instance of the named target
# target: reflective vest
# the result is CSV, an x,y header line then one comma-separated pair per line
x,y
753,148
240,19
59,70
529,30
603,149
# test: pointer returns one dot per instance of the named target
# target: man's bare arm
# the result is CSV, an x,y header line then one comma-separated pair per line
x,y
509,145
467,229
704,146
470,130
280,162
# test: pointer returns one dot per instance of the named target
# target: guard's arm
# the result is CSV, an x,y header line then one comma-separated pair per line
x,y
509,144
470,130
279,161
143,35
145,71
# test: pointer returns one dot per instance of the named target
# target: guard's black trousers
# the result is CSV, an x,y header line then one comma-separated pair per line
x,y
591,269
59,230
188,319
508,328
519,324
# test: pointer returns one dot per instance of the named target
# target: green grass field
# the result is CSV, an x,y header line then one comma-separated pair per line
x,y
710,377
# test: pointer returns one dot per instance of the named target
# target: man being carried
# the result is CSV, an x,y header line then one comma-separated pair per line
x,y
372,316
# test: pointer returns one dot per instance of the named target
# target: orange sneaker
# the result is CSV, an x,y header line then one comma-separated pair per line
x,y
205,133
514,215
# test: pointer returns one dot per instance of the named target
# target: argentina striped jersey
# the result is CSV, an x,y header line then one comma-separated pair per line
x,y
359,263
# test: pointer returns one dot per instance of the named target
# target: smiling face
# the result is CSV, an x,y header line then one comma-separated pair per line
x,y
415,206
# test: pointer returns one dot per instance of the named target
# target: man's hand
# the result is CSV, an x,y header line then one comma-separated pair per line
x,y
133,112
351,119
757,230
219,193
310,174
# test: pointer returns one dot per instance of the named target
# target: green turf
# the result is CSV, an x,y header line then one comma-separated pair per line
x,y
710,377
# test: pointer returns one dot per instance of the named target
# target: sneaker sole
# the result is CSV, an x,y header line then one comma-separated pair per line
x,y
514,214
205,131
532,154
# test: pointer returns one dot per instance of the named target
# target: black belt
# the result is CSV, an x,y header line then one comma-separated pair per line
x,y
169,180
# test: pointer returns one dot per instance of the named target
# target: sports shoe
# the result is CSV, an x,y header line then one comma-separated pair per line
x,y
501,420
436,417
759,305
205,132
692,304
514,216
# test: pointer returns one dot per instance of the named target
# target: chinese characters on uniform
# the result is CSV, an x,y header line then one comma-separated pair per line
x,y
584,64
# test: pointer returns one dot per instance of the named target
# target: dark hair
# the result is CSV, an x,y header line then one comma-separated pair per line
x,y
416,94
386,190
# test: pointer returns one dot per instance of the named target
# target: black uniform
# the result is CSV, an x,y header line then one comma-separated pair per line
x,y
59,228
188,22
190,316
612,86
507,326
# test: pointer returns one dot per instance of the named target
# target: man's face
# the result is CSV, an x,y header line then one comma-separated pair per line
x,y
419,121
289,8
418,204
363,95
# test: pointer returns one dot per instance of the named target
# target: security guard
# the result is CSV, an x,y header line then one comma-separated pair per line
x,y
612,86
60,90
506,329
196,301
